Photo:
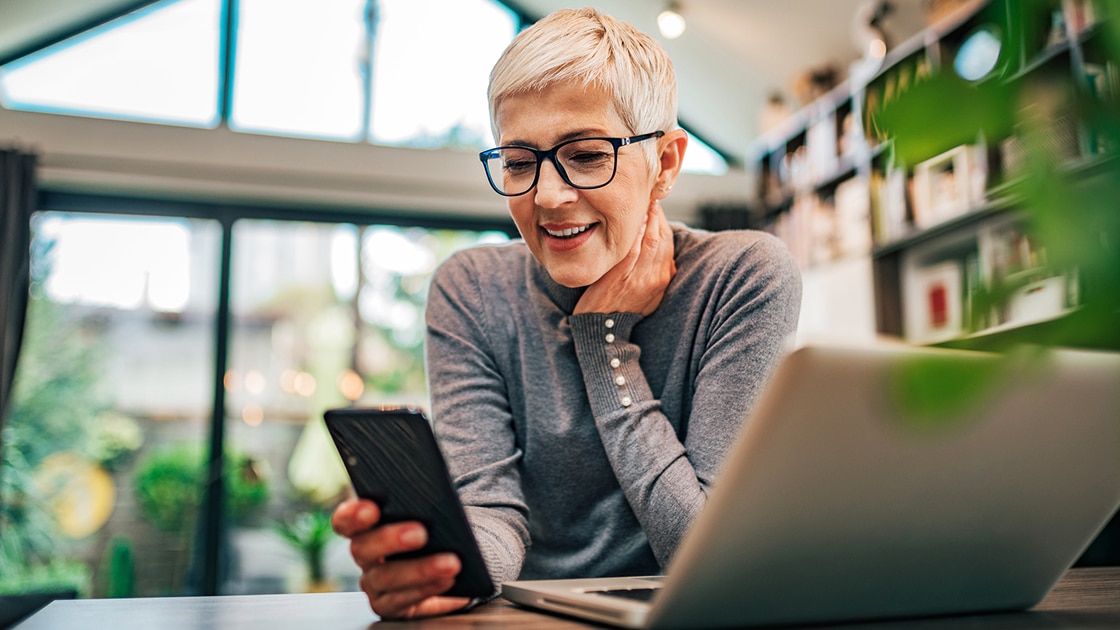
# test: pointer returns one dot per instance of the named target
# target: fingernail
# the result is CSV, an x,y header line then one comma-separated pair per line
x,y
446,564
366,513
414,536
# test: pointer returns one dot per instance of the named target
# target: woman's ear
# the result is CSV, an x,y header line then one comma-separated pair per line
x,y
671,146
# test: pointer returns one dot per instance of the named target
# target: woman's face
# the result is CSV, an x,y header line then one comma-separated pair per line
x,y
578,235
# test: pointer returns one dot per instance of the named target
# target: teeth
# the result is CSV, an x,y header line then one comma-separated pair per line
x,y
568,232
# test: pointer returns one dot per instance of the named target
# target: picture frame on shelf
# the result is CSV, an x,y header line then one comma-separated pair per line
x,y
934,306
948,185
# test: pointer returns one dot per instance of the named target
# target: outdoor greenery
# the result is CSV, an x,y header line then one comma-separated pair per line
x,y
54,404
309,533
170,482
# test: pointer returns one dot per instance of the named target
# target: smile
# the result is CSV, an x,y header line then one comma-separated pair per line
x,y
567,233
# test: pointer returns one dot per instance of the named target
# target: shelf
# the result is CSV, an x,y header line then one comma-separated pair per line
x,y
1044,57
997,223
968,219
1067,329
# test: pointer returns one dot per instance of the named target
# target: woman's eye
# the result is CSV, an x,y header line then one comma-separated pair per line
x,y
519,166
588,157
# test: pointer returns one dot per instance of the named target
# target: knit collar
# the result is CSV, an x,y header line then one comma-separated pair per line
x,y
565,298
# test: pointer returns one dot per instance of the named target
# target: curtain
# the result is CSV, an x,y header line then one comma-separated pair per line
x,y
18,197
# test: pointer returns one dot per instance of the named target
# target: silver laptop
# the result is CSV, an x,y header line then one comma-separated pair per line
x,y
887,482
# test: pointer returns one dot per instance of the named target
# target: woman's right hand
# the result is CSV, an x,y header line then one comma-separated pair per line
x,y
397,589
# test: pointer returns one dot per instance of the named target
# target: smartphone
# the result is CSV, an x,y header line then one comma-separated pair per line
x,y
392,458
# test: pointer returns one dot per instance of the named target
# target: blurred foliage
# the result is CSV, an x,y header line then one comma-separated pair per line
x,y
116,437
121,571
932,391
170,483
309,533
54,402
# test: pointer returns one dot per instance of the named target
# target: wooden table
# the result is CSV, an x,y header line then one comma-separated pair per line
x,y
1085,598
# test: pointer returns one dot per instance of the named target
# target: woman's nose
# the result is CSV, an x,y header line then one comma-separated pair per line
x,y
552,190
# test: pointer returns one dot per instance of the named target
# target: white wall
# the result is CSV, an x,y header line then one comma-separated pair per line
x,y
89,154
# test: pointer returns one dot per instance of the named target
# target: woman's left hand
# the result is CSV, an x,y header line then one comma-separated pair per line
x,y
638,282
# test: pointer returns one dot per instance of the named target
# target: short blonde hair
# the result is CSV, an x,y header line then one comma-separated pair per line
x,y
589,47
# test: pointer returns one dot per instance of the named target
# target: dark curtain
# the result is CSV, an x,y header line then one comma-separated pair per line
x,y
17,201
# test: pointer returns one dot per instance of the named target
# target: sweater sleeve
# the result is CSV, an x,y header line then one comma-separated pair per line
x,y
665,479
468,401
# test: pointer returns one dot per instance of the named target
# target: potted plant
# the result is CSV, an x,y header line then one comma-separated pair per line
x,y
309,533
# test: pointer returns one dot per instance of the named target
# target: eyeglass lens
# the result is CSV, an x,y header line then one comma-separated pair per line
x,y
587,163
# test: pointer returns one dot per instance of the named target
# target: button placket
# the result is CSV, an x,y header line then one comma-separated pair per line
x,y
616,364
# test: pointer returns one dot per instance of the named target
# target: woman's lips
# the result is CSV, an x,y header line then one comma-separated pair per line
x,y
568,237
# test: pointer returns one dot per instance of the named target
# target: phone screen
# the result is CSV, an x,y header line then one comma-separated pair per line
x,y
392,458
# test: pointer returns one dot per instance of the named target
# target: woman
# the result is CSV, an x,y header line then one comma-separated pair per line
x,y
586,382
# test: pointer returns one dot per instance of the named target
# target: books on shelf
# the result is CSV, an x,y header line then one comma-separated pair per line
x,y
820,228
1079,15
888,205
853,217
823,155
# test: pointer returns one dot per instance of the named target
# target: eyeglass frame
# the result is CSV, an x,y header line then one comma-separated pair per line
x,y
550,155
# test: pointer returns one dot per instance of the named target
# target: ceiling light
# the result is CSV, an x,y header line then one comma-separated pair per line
x,y
671,22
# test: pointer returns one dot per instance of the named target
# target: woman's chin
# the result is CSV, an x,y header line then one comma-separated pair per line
x,y
573,278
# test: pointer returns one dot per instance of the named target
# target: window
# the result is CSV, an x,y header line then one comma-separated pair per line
x,y
157,64
438,98
387,71
105,444
323,315
300,68
113,395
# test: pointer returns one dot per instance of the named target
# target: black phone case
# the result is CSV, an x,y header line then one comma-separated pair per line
x,y
393,459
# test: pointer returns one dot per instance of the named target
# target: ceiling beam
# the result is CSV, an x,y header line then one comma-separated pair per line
x,y
35,37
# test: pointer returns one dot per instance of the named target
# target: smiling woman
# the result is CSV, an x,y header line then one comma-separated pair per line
x,y
578,367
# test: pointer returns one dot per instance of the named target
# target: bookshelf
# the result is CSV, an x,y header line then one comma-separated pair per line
x,y
940,168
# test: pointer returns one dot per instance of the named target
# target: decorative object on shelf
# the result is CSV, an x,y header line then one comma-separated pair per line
x,y
979,55
948,185
813,83
934,306
773,113
937,11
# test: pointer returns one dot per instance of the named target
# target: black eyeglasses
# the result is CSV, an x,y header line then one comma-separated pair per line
x,y
583,163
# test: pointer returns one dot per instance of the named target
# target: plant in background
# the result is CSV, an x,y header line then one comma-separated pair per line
x,y
170,483
309,533
54,399
169,486
120,568
116,437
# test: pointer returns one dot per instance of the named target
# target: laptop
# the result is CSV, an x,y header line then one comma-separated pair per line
x,y
886,482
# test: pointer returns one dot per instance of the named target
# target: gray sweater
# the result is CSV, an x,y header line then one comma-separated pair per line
x,y
585,445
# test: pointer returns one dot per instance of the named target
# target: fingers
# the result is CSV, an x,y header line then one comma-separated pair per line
x,y
405,588
373,546
354,516
396,588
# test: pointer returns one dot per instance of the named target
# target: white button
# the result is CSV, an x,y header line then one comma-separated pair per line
x,y
610,337
626,401
615,362
620,380
609,323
